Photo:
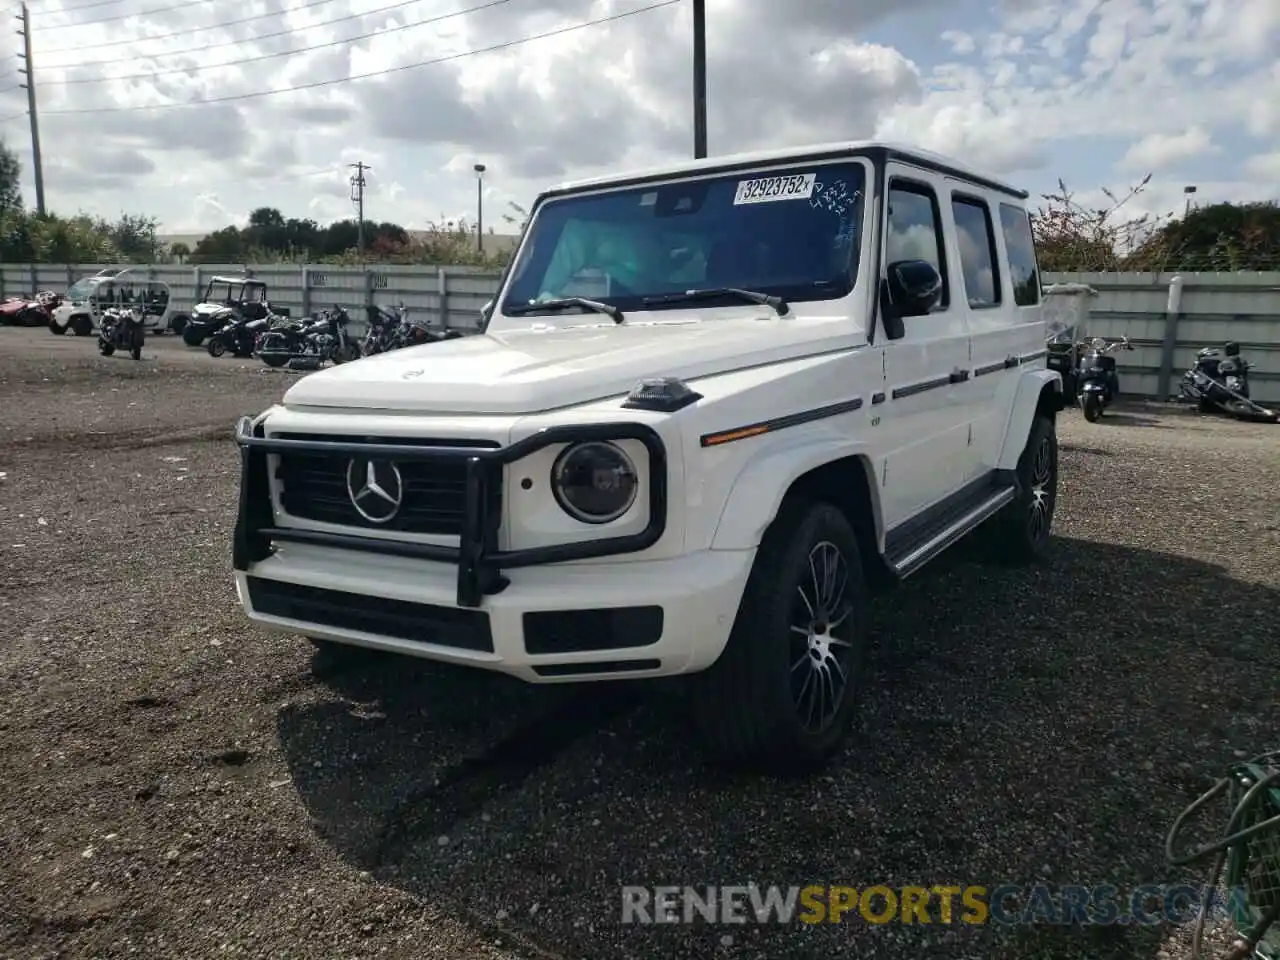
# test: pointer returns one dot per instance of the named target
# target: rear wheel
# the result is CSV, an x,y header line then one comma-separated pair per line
x,y
106,349
81,325
1020,532
57,329
216,347
178,323
781,697
192,336
274,360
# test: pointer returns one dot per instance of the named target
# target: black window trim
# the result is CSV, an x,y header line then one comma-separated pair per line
x,y
1025,215
930,192
997,275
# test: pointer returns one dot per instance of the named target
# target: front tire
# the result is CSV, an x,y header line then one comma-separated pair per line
x,y
191,335
106,349
81,325
780,698
1020,532
216,347
1091,406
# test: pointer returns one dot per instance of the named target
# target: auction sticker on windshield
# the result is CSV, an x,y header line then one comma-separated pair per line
x,y
797,186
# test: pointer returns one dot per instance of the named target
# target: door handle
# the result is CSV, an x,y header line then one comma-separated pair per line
x,y
1010,362
959,376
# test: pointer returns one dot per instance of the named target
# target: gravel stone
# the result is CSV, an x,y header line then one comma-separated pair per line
x,y
178,783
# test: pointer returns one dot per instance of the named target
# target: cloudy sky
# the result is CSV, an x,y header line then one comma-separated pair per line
x,y
1098,92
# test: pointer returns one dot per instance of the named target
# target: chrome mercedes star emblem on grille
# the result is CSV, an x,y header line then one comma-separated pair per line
x,y
375,489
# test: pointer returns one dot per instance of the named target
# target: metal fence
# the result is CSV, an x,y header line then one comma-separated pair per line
x,y
1166,316
450,297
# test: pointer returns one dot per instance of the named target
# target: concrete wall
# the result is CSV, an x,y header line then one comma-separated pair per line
x,y
1211,308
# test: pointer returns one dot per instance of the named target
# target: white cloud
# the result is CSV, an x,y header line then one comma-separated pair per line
x,y
1170,78
1159,151
1265,167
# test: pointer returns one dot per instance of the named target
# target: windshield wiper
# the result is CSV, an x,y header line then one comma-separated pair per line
x,y
710,293
565,302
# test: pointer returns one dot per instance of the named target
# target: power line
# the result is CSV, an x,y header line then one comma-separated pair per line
x,y
368,76
87,6
124,16
22,114
286,53
134,58
75,48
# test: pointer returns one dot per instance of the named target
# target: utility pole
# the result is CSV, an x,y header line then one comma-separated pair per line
x,y
479,169
30,85
699,79
357,197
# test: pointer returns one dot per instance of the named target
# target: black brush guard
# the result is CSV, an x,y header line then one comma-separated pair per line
x,y
479,562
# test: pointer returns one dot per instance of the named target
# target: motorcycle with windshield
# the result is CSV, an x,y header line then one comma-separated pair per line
x,y
122,328
381,326
1098,385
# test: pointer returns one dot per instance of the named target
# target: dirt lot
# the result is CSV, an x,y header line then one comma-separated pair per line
x,y
177,783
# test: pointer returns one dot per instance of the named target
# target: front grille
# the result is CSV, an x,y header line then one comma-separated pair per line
x,y
313,486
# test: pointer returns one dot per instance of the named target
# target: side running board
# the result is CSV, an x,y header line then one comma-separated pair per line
x,y
918,541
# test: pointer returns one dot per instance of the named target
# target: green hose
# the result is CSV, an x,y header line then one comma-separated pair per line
x,y
1250,849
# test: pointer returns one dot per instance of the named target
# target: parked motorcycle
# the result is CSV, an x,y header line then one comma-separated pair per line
x,y
1097,382
1064,356
122,329
239,335
306,346
1219,380
382,324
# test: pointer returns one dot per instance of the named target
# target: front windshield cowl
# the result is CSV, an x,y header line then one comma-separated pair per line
x,y
773,237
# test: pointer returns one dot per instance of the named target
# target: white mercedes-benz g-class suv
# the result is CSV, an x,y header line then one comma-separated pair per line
x,y
713,405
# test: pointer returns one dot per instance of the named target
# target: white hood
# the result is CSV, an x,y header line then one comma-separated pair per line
x,y
528,371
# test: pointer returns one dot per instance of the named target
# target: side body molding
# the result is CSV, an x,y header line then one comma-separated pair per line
x,y
1023,411
757,492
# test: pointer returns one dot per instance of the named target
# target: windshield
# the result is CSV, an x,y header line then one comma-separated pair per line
x,y
81,289
791,233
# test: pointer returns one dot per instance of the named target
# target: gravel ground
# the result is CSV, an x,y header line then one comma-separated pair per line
x,y
178,783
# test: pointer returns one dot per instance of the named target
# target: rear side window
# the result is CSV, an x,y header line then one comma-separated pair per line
x,y
1022,255
977,241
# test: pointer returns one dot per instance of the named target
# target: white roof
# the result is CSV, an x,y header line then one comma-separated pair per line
x,y
781,155
236,280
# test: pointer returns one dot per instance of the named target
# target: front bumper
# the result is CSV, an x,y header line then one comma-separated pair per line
x,y
527,612
552,624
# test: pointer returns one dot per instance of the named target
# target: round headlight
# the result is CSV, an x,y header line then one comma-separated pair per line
x,y
594,482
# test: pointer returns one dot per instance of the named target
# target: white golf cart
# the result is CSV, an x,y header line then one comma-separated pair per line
x,y
222,297
85,300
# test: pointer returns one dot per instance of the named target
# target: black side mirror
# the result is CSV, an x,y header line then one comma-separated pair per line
x,y
914,288
487,311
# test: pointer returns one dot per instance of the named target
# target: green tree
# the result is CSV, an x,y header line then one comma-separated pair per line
x,y
1221,236
10,188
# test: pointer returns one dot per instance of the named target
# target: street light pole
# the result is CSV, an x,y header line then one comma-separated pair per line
x,y
479,168
699,79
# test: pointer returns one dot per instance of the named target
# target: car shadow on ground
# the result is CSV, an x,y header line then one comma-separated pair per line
x,y
1019,726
